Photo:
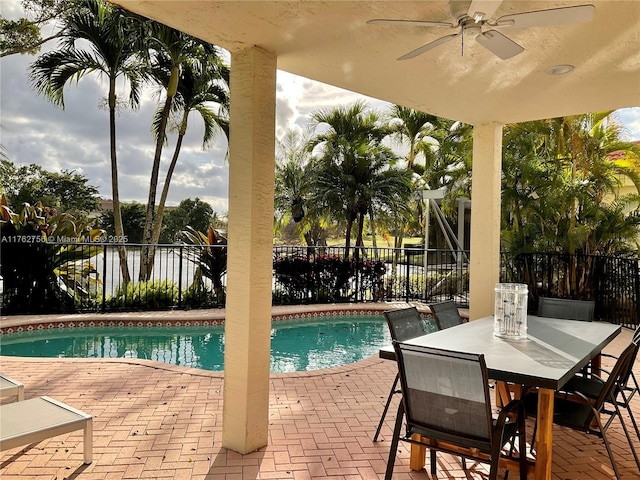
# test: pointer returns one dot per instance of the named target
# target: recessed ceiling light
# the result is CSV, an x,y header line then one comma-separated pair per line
x,y
559,69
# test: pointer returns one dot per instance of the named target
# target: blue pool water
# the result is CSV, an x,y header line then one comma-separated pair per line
x,y
295,346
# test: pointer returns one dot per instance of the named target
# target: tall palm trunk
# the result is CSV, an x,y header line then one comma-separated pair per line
x,y
399,236
374,240
146,263
347,240
359,240
157,224
117,215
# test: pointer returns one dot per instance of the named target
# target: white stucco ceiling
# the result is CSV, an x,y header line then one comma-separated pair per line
x,y
329,41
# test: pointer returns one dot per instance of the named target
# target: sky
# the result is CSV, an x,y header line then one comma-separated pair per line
x,y
33,130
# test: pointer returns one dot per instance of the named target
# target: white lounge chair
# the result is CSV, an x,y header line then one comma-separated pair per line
x,y
36,419
11,388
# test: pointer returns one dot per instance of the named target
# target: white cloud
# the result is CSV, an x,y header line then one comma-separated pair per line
x,y
629,119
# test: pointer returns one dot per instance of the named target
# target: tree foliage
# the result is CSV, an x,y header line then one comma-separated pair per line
x,y
67,191
132,222
23,35
353,168
202,88
170,54
210,257
96,38
562,180
294,193
193,213
44,259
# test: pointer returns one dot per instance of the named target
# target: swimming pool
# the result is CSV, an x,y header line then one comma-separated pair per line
x,y
296,345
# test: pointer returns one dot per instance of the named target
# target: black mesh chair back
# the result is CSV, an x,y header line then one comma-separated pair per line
x,y
446,394
445,398
627,375
566,308
615,378
629,381
591,386
628,384
405,323
446,314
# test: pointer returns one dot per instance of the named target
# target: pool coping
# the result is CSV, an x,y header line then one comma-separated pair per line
x,y
191,318
204,317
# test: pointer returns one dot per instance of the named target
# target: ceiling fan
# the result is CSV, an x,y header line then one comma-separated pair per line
x,y
473,19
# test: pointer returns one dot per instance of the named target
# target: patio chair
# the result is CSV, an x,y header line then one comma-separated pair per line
x,y
39,418
577,411
566,308
11,388
582,310
404,323
447,407
446,314
626,389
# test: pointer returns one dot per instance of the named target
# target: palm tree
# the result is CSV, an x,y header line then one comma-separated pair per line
x,y
415,128
165,45
353,171
557,175
294,193
448,159
203,84
96,38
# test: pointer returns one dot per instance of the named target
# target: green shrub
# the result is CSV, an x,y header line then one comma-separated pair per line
x,y
201,296
209,256
44,260
326,279
151,295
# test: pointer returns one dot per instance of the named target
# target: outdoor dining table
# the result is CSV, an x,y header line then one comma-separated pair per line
x,y
554,350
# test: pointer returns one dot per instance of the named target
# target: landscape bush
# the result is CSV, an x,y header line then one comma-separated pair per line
x,y
326,278
151,295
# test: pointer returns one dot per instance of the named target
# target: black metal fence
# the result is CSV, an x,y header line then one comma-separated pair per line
x,y
59,277
82,277
613,282
89,277
331,274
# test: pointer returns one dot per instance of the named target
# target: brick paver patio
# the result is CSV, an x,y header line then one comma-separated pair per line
x,y
157,421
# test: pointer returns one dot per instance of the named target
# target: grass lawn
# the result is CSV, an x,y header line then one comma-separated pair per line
x,y
382,241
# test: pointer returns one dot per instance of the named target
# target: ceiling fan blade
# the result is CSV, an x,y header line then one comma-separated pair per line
x,y
429,46
553,16
483,9
415,23
499,45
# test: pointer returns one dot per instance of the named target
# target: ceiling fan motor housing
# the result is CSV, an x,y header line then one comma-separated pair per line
x,y
470,28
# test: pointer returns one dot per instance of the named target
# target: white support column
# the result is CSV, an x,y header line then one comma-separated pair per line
x,y
484,261
250,233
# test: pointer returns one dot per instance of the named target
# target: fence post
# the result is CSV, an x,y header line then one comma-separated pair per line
x,y
308,294
180,278
357,272
408,289
104,277
425,272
